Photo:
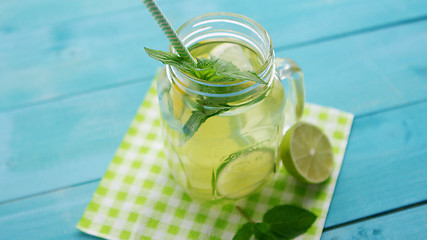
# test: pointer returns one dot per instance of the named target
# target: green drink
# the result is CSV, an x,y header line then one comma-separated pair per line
x,y
222,137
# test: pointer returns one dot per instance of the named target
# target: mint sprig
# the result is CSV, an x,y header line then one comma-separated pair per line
x,y
209,69
280,222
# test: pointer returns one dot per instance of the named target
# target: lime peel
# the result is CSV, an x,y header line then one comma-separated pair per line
x,y
307,153
244,172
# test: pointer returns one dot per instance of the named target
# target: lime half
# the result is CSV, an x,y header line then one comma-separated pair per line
x,y
243,173
307,153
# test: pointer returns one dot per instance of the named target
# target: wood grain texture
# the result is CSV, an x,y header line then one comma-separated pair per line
x,y
30,14
66,54
406,224
367,72
50,216
385,165
65,142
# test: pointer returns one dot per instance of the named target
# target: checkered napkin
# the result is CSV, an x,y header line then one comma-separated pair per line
x,y
138,199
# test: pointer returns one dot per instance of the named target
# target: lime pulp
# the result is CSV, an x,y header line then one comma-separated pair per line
x,y
307,153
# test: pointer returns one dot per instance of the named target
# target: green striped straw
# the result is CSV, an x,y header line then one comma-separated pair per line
x,y
168,30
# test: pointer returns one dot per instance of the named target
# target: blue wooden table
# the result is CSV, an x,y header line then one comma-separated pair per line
x,y
73,73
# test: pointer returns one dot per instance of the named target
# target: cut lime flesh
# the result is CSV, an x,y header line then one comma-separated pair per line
x,y
233,53
307,153
245,173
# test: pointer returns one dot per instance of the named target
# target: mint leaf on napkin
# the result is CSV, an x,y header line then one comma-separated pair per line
x,y
280,222
245,232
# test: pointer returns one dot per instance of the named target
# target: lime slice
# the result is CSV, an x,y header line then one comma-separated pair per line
x,y
243,173
177,104
307,153
233,53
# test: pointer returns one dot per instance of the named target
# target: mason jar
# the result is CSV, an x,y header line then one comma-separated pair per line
x,y
222,138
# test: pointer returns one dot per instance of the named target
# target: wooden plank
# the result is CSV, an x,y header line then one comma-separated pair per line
x,y
50,216
384,166
406,224
29,14
36,13
89,53
54,216
64,142
69,59
366,72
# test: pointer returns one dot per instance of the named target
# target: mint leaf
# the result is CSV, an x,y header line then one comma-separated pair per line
x,y
203,63
193,123
227,71
206,69
214,70
171,59
280,222
199,116
206,73
165,57
245,232
246,75
223,66
196,119
288,221
262,231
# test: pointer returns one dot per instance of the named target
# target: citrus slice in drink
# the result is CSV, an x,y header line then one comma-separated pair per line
x,y
307,153
233,53
243,173
177,104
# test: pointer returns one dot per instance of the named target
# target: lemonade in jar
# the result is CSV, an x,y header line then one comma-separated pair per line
x,y
222,133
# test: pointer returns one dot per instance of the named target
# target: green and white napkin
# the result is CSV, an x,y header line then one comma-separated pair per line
x,y
138,199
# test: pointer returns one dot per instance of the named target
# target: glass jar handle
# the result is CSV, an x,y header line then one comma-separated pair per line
x,y
289,70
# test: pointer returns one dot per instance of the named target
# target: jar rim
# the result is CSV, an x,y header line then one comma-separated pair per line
x,y
269,58
262,39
